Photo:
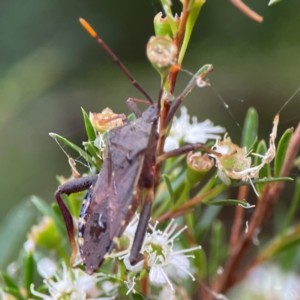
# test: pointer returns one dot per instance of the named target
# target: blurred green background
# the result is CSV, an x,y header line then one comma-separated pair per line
x,y
50,67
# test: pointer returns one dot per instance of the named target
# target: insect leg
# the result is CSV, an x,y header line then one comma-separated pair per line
x,y
176,103
135,255
131,103
185,149
73,186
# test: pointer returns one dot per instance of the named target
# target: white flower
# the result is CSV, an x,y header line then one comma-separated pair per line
x,y
73,284
268,281
164,262
46,268
183,130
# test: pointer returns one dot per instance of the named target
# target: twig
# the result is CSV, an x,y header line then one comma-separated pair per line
x,y
266,254
186,206
247,10
172,82
263,208
238,218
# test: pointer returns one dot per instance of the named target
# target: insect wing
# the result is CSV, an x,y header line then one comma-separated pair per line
x,y
93,228
110,204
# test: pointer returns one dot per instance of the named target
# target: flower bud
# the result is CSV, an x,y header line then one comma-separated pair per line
x,y
162,53
198,166
106,120
162,26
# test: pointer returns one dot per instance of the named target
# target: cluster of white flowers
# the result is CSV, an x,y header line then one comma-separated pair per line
x,y
182,130
68,284
165,263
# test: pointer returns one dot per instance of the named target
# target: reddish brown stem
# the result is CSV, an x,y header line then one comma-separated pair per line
x,y
238,218
172,81
178,41
264,206
184,207
247,10
145,286
265,255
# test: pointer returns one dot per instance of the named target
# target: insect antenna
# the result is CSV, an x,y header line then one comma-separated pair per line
x,y
93,33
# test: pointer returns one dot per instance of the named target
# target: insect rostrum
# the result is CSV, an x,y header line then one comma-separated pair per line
x,y
125,181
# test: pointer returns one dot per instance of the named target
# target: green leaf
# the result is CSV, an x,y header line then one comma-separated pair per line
x,y
293,207
217,248
250,128
14,228
82,153
169,186
229,202
162,201
201,263
88,126
265,172
14,293
273,2
94,151
281,151
194,11
287,244
205,221
9,282
262,180
46,210
168,11
28,272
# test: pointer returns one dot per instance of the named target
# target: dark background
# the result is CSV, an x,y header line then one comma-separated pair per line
x,y
50,67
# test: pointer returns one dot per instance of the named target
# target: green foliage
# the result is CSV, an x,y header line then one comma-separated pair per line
x,y
195,198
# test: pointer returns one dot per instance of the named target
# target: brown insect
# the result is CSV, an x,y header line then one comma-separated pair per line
x,y
125,181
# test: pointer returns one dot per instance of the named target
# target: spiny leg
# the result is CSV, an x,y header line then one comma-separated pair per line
x,y
135,255
73,186
131,103
176,103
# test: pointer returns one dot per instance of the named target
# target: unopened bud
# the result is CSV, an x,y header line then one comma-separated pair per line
x,y
198,166
162,53
162,26
106,120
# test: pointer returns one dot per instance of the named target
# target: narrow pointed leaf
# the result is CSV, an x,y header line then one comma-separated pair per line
x,y
262,180
169,186
209,214
200,263
15,226
250,128
281,150
9,282
82,153
228,202
94,151
273,2
90,131
217,247
28,272
45,209
14,293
